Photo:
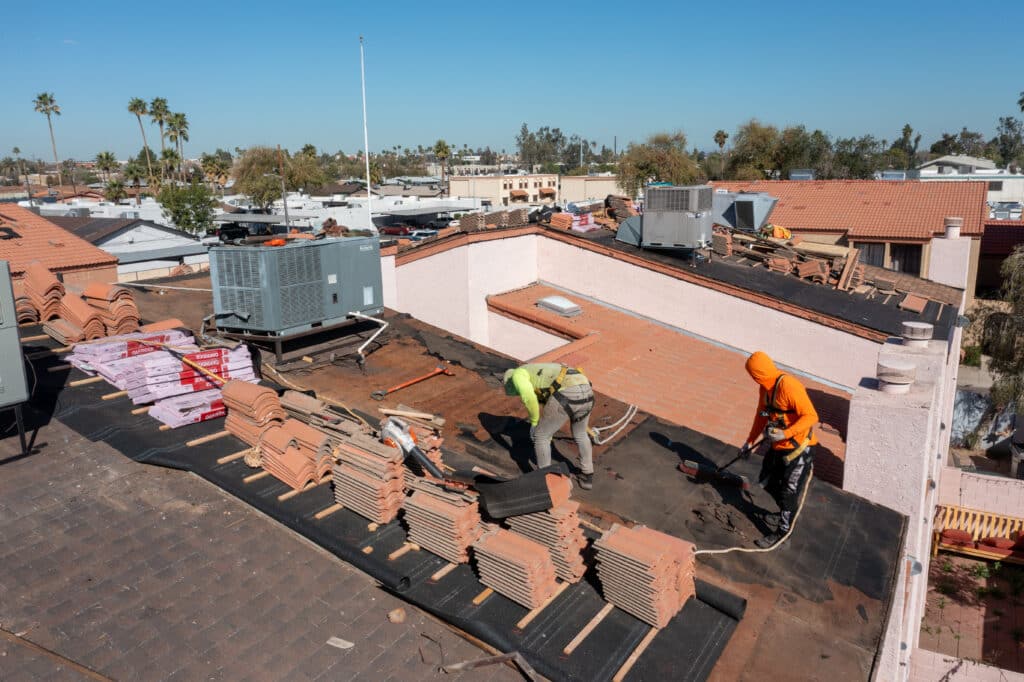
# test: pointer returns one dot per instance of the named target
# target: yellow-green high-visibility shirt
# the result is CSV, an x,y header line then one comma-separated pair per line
x,y
529,379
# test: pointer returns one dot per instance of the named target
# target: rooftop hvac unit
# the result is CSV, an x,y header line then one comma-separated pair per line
x,y
677,217
284,290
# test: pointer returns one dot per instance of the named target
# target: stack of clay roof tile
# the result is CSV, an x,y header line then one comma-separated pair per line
x,y
621,207
558,529
189,409
63,331
562,221
429,442
721,243
783,265
43,290
92,357
301,406
252,409
644,572
514,566
115,306
472,222
368,479
443,522
24,311
75,311
295,453
518,217
496,219
163,374
813,269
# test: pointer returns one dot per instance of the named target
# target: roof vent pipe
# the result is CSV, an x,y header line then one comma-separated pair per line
x,y
916,334
895,375
953,225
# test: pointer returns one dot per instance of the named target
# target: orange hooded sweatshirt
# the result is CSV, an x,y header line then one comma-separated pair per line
x,y
791,403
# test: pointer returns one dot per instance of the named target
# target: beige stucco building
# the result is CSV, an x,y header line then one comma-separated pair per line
x,y
580,187
506,190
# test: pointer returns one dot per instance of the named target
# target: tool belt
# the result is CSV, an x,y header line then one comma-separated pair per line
x,y
543,394
799,451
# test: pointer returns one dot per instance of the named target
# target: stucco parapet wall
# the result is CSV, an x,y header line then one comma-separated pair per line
x,y
411,254
930,362
540,321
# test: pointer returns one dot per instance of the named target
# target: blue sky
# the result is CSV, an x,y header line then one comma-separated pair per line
x,y
473,72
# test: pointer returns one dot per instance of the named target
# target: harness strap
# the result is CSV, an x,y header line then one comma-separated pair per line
x,y
772,408
543,394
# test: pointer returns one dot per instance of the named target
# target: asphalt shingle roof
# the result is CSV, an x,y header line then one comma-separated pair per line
x,y
873,209
32,238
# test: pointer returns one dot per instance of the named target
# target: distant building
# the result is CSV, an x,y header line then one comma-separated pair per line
x,y
1003,184
144,250
29,237
580,187
507,190
894,224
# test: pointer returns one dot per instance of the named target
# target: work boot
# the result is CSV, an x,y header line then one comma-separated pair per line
x,y
586,481
771,519
769,540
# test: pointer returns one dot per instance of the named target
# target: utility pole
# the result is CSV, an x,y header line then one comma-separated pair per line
x,y
366,134
284,194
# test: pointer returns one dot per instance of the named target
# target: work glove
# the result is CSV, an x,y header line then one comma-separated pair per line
x,y
746,450
775,434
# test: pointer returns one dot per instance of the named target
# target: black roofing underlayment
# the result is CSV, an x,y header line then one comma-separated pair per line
x,y
855,308
687,649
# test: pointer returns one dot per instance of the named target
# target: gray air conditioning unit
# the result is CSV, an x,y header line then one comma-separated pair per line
x,y
283,290
677,217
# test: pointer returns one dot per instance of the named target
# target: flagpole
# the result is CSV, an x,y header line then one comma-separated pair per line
x,y
366,134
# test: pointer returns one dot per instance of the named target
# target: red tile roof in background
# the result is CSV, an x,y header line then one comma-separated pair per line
x,y
872,209
39,239
1001,237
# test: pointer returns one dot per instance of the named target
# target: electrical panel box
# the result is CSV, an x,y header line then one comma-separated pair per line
x,y
13,385
284,290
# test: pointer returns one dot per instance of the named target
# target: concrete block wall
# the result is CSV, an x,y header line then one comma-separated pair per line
x,y
994,494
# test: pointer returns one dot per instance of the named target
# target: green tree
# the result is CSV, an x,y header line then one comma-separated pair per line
x,y
255,175
903,153
1009,140
720,137
190,207
1008,361
215,170
134,173
46,104
754,151
106,163
857,158
168,161
159,113
115,191
662,158
1020,102
137,106
308,150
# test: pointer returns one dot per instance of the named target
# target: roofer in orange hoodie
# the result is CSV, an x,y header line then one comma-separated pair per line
x,y
787,419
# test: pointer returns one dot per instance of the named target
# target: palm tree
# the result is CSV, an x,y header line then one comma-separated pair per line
x,y
137,106
134,173
168,161
442,151
177,132
105,163
1020,102
720,137
21,171
215,170
115,191
47,105
159,113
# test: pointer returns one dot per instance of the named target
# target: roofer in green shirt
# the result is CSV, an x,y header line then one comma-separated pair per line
x,y
554,394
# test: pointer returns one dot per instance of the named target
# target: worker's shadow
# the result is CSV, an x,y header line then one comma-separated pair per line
x,y
513,434
727,486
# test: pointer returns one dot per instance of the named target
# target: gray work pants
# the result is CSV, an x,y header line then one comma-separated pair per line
x,y
580,403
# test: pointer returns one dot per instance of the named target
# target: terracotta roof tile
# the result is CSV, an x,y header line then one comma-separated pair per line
x,y
39,239
872,209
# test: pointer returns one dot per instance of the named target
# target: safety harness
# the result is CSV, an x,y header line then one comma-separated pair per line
x,y
774,415
543,394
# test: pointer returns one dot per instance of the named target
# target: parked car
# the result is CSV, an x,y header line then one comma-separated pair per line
x,y
397,230
417,235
